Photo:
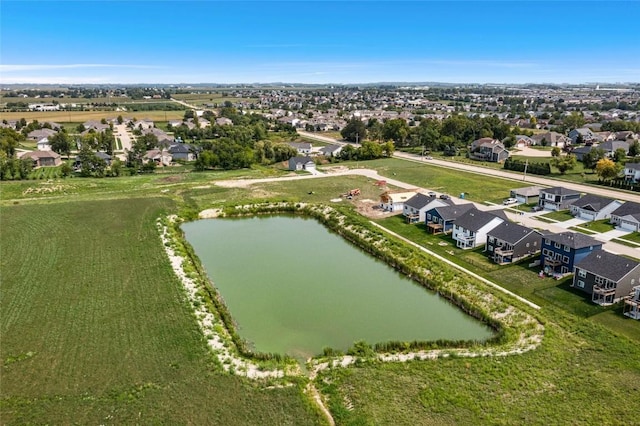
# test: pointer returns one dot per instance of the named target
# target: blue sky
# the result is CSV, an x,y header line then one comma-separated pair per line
x,y
319,42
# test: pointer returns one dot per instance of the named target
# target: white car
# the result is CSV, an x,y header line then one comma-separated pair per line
x,y
510,201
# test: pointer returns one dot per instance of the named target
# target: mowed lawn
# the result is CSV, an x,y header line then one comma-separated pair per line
x,y
95,328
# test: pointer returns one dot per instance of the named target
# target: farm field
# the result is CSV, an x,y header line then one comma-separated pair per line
x,y
95,328
209,98
63,117
120,345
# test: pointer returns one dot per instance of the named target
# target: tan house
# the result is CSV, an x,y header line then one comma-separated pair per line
x,y
44,158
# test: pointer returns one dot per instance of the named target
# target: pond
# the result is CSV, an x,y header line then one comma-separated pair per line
x,y
293,287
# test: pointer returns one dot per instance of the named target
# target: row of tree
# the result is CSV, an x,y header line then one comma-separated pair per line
x,y
432,135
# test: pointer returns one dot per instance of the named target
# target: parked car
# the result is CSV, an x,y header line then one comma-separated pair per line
x,y
444,197
428,157
510,201
537,208
431,194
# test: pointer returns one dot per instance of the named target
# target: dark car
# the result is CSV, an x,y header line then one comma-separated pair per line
x,y
536,208
444,197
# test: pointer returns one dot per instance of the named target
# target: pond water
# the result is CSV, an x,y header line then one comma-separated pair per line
x,y
293,287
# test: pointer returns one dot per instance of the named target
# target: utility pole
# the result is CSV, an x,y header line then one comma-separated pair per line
x,y
357,137
526,164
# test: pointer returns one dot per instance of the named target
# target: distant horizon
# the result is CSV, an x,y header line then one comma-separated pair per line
x,y
317,42
295,84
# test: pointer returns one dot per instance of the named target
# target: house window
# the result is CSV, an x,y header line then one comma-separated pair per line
x,y
491,249
556,245
580,284
547,242
527,245
582,273
564,270
565,259
633,281
566,248
428,216
490,239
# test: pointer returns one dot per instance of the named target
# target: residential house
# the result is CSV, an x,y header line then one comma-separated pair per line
x,y
393,201
331,150
39,134
560,252
594,207
607,277
488,149
223,121
627,217
523,141
44,158
509,242
441,219
632,304
302,163
160,156
44,145
163,138
610,147
415,208
303,148
526,195
145,123
557,198
470,229
182,151
95,125
632,172
581,151
587,136
551,139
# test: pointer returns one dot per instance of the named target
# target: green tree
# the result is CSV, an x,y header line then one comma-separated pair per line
x,y
619,155
396,130
61,143
565,163
574,120
555,152
9,141
591,158
634,149
354,131
607,169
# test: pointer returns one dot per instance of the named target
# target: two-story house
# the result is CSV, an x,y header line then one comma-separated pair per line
x,y
470,229
627,217
594,207
488,149
560,252
440,219
632,304
584,134
607,277
415,208
510,242
632,172
557,198
551,139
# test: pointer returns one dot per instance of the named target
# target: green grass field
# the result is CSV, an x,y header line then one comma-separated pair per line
x,y
476,187
95,328
559,216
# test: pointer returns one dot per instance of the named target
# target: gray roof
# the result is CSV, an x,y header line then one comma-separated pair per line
x,y
593,202
611,146
419,200
330,149
302,160
608,265
529,191
628,208
453,212
574,240
475,219
511,232
300,145
559,190
632,166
